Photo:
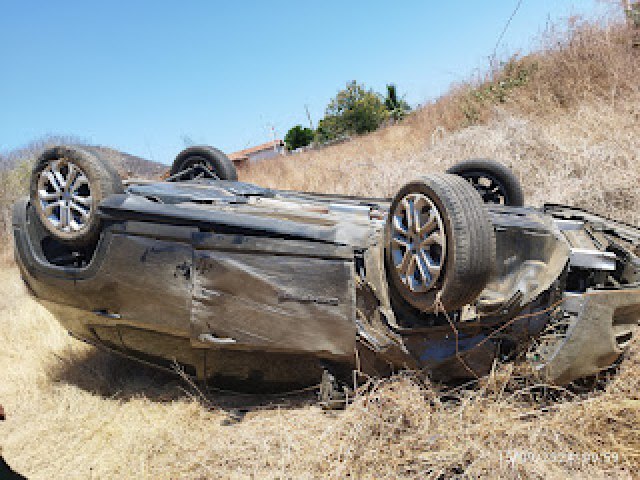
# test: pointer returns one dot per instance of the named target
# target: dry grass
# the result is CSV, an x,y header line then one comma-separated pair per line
x,y
75,412
571,134
588,157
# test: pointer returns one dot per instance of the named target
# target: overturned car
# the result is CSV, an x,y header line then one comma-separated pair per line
x,y
253,286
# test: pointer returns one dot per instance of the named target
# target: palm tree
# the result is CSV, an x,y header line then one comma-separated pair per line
x,y
397,107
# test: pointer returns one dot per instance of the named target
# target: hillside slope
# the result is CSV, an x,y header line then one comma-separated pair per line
x,y
125,163
566,119
588,156
131,165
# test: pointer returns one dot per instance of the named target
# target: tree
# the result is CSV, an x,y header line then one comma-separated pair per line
x,y
354,110
298,136
397,107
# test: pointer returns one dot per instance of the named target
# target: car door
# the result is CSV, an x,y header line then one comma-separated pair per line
x,y
140,297
272,294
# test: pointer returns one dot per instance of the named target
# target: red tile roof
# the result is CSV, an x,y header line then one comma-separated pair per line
x,y
243,154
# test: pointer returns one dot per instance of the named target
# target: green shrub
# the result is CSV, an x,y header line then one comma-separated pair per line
x,y
396,106
354,110
298,136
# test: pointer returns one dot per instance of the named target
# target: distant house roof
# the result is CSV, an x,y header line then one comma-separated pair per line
x,y
241,155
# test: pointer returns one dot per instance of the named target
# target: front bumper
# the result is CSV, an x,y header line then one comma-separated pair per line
x,y
598,326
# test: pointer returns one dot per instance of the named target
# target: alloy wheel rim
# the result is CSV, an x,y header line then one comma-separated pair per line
x,y
418,242
64,193
198,162
490,189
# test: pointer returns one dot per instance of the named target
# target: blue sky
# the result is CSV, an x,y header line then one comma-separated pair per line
x,y
141,76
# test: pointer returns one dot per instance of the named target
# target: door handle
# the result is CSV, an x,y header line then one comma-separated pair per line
x,y
107,314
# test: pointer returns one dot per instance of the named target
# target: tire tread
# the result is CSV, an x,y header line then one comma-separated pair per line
x,y
500,172
470,256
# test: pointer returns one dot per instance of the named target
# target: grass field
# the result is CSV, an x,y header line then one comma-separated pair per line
x,y
571,133
75,413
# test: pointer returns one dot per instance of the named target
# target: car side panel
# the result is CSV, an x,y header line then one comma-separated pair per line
x,y
145,282
248,297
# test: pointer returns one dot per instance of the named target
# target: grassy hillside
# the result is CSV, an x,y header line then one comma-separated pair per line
x,y
566,119
569,127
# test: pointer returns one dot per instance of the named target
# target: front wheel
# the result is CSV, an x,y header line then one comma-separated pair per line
x,y
440,244
67,185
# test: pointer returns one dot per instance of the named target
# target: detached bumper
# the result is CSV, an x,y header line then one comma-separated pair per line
x,y
599,325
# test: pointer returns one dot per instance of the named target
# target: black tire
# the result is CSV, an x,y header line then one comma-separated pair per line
x,y
470,243
212,158
504,187
100,155
103,180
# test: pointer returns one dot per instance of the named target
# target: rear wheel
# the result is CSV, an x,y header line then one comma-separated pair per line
x,y
440,244
495,182
190,162
67,185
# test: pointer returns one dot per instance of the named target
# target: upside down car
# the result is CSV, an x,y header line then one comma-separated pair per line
x,y
253,286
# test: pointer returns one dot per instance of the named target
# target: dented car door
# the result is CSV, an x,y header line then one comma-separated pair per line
x,y
253,292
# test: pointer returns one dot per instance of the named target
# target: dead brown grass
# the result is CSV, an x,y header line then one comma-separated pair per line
x,y
571,134
74,412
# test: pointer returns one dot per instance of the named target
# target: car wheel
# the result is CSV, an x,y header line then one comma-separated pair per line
x,y
210,158
495,182
440,243
67,185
